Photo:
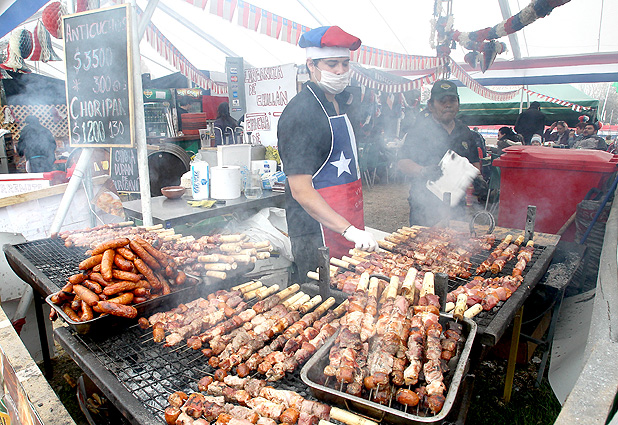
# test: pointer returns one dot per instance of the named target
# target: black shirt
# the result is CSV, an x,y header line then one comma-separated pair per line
x,y
304,141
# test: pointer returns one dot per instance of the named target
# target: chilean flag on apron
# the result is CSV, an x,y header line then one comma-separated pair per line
x,y
338,182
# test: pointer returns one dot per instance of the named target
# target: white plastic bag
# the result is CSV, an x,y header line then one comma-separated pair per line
x,y
267,224
457,175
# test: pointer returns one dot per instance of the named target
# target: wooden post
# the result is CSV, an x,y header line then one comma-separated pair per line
x,y
510,369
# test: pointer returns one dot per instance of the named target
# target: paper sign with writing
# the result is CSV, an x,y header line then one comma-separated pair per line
x,y
99,77
124,171
268,91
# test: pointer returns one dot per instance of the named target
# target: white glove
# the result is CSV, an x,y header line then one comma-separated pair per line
x,y
361,238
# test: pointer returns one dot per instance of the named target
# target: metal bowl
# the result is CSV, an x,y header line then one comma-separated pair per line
x,y
173,192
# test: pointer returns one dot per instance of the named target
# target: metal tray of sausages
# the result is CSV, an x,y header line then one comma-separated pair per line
x,y
312,374
107,321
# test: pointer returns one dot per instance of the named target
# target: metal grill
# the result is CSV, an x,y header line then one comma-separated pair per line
x,y
52,259
485,317
151,372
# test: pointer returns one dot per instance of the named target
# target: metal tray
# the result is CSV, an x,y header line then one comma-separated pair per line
x,y
312,375
182,295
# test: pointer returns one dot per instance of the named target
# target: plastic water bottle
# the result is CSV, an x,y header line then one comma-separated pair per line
x,y
199,179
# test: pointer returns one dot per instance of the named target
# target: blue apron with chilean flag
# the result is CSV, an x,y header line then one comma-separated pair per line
x,y
338,182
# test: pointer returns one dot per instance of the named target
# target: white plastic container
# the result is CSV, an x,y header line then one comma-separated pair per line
x,y
200,182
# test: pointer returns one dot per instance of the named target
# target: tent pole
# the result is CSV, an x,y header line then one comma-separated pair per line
x,y
521,100
140,126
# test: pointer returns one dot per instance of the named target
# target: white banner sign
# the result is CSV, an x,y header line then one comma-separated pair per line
x,y
268,91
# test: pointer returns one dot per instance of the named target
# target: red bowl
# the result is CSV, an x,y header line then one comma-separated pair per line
x,y
173,192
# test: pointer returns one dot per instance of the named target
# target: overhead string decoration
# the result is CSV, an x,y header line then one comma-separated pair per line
x,y
482,44
84,5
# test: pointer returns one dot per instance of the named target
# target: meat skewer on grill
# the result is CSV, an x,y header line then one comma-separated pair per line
x,y
274,364
260,338
506,255
524,256
342,354
273,403
240,343
485,265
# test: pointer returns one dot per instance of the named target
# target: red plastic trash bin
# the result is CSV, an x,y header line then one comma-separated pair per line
x,y
554,180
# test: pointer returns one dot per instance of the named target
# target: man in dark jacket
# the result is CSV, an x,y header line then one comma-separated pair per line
x,y
531,121
38,145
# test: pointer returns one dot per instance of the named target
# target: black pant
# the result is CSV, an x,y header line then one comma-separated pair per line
x,y
305,251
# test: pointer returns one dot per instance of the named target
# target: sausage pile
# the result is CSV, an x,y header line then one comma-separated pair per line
x,y
119,273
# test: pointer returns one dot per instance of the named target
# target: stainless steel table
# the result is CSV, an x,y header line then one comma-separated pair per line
x,y
173,212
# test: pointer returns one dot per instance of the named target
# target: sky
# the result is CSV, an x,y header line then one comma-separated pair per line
x,y
398,25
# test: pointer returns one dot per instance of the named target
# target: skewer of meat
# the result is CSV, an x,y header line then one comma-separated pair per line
x,y
485,265
506,255
243,317
260,338
298,350
247,339
524,256
273,403
343,352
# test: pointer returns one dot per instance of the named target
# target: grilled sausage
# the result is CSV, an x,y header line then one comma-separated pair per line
x,y
289,415
107,263
93,286
120,310
126,253
202,384
220,375
158,332
158,255
143,268
143,323
98,278
407,397
171,415
139,250
87,313
66,308
125,299
86,294
112,244
141,292
177,399
122,263
118,287
137,300
124,275
90,262
194,406
77,278
181,277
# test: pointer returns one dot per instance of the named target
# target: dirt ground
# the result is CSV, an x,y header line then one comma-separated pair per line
x,y
386,206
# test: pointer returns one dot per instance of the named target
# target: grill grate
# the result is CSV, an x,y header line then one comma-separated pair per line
x,y
51,258
151,372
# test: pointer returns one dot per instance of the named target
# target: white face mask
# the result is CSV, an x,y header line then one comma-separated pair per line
x,y
333,83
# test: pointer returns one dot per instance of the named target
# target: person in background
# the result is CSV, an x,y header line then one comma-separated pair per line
x,y
536,140
531,121
224,124
435,132
324,198
576,134
507,137
590,139
560,136
38,145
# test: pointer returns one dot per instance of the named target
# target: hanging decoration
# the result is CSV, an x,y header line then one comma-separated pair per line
x,y
573,106
9,118
19,47
43,50
84,5
459,73
52,18
482,44
287,30
170,53
372,83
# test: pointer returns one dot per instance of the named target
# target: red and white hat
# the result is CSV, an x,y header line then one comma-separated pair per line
x,y
328,42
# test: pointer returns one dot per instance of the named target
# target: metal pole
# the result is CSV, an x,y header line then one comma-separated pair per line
x,y
78,174
513,40
140,126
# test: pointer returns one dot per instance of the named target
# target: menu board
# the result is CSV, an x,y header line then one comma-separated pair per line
x,y
99,77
